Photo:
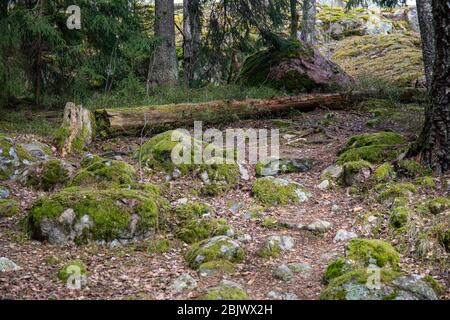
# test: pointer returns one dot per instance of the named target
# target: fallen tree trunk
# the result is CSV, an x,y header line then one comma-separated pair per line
x,y
158,118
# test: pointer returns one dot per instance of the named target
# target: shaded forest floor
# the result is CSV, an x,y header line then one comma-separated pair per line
x,y
130,272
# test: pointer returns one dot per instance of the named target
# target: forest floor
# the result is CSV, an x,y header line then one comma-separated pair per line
x,y
127,272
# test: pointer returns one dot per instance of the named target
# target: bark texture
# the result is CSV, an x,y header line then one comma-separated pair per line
x,y
425,16
309,22
165,66
192,38
434,141
294,19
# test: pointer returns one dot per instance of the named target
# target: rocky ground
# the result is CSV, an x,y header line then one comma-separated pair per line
x,y
313,232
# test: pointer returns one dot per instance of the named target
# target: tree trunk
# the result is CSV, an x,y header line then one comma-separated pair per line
x,y
131,121
165,68
434,142
425,17
38,62
309,22
192,38
294,19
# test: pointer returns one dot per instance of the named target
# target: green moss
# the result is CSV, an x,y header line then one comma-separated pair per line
x,y
158,246
273,191
372,147
8,208
216,267
384,173
336,269
425,182
22,153
399,217
394,190
105,173
61,136
355,166
195,230
213,250
362,251
225,292
437,287
192,210
339,287
270,223
47,175
271,249
411,169
257,68
438,205
109,209
74,267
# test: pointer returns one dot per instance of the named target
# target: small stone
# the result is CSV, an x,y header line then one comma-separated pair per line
x,y
273,295
244,238
335,208
286,243
335,171
184,282
343,235
4,192
235,207
181,201
303,268
283,273
7,265
292,226
319,226
324,185
243,172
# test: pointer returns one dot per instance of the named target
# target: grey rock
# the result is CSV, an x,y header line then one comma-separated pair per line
x,y
184,282
319,226
413,19
285,243
415,285
275,167
324,185
244,238
335,208
235,207
344,235
243,172
283,273
302,268
38,150
376,25
7,265
4,192
274,295
334,171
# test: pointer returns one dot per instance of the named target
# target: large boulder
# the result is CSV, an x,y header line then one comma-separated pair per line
x,y
293,66
84,215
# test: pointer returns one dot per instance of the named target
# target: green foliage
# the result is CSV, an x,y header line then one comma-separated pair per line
x,y
8,208
225,292
362,251
273,191
48,175
73,267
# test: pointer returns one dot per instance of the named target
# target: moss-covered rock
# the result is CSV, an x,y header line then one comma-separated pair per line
x,y
411,169
226,290
82,215
104,173
8,208
158,246
356,172
399,217
48,175
273,167
194,210
275,245
195,230
177,153
390,285
75,268
395,58
293,66
398,190
13,158
438,205
425,182
217,248
372,147
384,173
367,251
337,268
276,191
216,267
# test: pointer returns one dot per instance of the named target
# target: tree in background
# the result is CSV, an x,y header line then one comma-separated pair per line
x,y
192,28
425,16
309,21
294,19
165,65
